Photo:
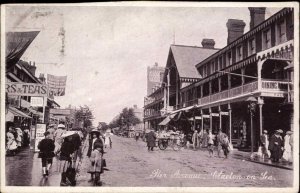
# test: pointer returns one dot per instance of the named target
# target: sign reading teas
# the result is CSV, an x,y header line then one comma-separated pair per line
x,y
26,89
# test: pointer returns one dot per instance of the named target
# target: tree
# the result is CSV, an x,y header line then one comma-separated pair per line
x,y
85,116
125,119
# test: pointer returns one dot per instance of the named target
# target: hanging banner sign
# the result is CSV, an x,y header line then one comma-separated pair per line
x,y
57,85
26,89
39,135
36,101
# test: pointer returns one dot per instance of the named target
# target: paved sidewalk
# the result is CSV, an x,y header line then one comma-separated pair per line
x,y
242,155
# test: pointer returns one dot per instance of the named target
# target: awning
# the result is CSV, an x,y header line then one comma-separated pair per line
x,y
167,119
17,112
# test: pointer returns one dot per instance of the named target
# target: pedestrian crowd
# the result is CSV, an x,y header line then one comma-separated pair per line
x,y
276,147
16,138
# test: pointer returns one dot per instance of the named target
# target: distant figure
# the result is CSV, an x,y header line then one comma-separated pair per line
x,y
195,139
287,154
11,145
26,138
264,144
210,143
223,143
46,147
204,139
150,139
107,140
276,146
137,135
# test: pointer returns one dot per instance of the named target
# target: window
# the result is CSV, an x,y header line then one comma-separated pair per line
x,y
220,62
239,53
216,66
281,32
229,59
251,46
212,65
204,71
267,39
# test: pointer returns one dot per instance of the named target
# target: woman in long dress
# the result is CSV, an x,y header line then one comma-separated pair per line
x,y
287,154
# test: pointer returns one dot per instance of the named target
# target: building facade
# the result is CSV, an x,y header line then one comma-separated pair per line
x,y
245,87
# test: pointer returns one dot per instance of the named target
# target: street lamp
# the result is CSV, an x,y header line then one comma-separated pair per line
x,y
251,107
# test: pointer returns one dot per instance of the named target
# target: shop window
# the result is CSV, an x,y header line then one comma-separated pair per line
x,y
251,46
266,39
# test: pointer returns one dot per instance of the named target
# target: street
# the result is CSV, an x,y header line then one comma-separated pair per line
x,y
131,160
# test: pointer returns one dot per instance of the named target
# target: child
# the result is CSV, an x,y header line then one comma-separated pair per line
x,y
210,143
96,163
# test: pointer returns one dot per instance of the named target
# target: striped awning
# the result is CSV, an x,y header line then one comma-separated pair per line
x,y
17,112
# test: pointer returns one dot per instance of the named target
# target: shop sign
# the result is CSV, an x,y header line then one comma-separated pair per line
x,y
269,94
60,111
39,135
36,102
224,113
26,89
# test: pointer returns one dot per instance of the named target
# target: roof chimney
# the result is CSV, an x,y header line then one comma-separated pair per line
x,y
208,43
257,16
235,29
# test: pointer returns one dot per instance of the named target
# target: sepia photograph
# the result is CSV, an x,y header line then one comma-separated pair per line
x,y
150,97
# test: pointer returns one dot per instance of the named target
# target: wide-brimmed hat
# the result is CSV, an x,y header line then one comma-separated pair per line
x,y
289,132
265,131
279,131
68,133
61,126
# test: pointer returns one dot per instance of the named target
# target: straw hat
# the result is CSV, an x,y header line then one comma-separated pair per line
x,y
61,126
279,131
265,131
289,132
68,133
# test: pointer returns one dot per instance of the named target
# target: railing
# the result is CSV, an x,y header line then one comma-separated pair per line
x,y
152,114
267,85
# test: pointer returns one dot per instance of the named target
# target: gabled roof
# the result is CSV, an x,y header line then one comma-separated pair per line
x,y
186,58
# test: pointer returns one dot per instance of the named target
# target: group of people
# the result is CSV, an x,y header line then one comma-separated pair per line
x,y
276,147
16,138
66,147
206,139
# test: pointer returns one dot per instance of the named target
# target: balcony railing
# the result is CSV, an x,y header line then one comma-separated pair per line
x,y
267,85
152,114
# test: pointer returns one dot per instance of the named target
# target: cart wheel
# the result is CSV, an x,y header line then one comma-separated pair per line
x,y
162,145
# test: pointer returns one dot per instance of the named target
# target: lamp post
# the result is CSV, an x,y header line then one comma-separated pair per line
x,y
251,107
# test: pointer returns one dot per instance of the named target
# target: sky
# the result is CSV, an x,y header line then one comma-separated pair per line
x,y
105,50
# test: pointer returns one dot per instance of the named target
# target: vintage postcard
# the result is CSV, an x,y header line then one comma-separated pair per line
x,y
150,97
